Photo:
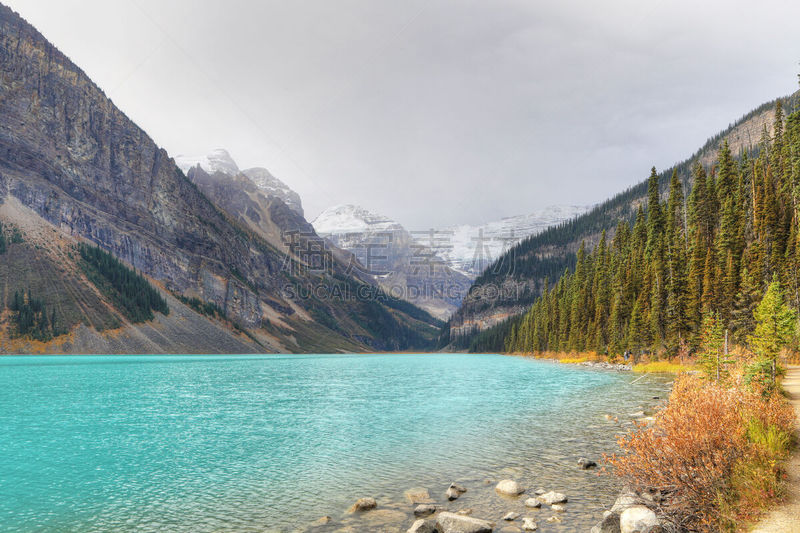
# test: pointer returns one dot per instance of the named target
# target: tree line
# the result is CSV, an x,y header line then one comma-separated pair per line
x,y
129,290
706,257
31,317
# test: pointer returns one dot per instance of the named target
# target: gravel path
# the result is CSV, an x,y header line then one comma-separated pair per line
x,y
786,518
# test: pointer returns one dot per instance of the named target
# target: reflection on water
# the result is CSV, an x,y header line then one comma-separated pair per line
x,y
187,443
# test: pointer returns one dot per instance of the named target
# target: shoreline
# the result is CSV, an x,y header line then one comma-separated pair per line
x,y
545,508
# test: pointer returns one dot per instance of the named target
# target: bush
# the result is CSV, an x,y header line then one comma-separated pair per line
x,y
712,453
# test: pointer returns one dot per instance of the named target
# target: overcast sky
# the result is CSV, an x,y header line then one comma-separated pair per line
x,y
433,112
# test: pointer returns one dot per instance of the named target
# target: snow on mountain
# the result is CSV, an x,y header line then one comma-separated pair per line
x,y
272,186
404,267
221,161
217,161
346,218
470,249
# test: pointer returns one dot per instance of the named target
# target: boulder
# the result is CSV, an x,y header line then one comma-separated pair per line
x,y
423,526
509,487
637,519
454,523
424,509
418,495
553,497
363,504
586,464
533,502
511,516
529,524
625,500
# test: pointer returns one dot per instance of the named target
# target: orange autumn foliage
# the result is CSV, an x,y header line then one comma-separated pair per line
x,y
701,457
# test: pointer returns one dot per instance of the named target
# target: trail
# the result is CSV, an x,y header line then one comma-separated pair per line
x,y
786,517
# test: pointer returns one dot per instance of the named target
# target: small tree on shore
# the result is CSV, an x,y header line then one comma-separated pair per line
x,y
776,323
712,341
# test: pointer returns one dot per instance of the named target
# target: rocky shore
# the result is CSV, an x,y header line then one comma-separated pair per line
x,y
515,508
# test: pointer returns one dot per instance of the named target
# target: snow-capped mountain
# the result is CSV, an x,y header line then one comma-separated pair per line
x,y
402,265
346,218
470,249
220,161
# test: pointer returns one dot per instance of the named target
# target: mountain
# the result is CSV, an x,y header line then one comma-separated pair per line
x,y
470,249
400,262
220,161
512,283
75,169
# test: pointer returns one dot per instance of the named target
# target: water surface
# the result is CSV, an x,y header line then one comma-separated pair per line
x,y
270,443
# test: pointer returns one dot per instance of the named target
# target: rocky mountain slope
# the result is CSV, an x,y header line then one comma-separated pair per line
x,y
79,164
220,161
404,265
510,284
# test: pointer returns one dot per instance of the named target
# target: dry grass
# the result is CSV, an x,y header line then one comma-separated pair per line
x,y
662,367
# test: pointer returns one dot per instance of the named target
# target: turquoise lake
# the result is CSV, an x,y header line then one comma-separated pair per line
x,y
273,442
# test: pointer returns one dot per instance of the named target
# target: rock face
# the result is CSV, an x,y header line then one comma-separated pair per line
x,y
453,523
637,519
77,161
509,488
220,162
404,264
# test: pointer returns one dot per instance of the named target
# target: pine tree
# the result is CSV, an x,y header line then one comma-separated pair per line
x,y
776,323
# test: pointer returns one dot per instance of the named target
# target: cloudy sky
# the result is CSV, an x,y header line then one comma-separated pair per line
x,y
433,112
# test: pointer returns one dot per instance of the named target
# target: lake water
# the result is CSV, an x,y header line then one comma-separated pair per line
x,y
271,443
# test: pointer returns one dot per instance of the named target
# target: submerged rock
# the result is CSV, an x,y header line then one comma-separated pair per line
x,y
465,512
557,507
637,519
418,495
529,524
321,521
454,523
509,487
363,504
